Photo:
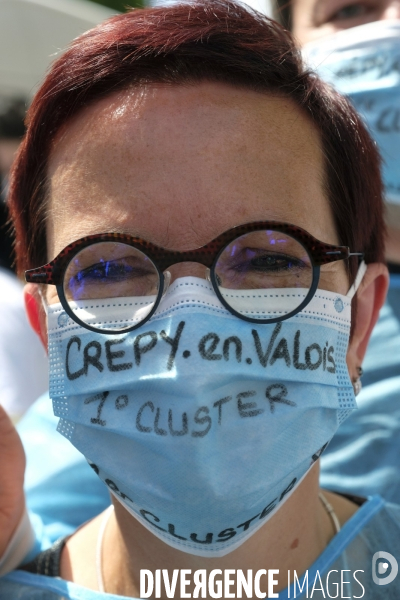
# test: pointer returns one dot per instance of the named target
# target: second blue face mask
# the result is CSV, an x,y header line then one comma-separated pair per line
x,y
201,424
364,63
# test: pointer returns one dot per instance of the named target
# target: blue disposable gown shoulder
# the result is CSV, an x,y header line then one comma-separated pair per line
x,y
373,528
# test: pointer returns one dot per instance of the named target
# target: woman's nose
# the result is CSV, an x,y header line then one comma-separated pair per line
x,y
188,269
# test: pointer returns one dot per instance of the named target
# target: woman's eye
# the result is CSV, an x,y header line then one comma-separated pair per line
x,y
352,11
268,263
109,271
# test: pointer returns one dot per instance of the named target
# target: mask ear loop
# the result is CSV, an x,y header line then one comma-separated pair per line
x,y
167,281
43,299
359,277
357,385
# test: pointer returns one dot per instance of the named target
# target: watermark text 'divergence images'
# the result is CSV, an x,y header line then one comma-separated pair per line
x,y
263,583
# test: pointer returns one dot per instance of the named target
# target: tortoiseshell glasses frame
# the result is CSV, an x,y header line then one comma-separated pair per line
x,y
319,254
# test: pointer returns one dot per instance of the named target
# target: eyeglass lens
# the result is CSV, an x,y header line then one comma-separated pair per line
x,y
264,274
111,275
260,275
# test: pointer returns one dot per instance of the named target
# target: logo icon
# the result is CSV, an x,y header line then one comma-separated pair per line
x,y
63,319
381,561
338,304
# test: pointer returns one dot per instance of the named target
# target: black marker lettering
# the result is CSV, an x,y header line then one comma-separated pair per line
x,y
296,353
287,490
139,350
324,359
121,402
366,104
102,397
208,353
281,351
313,366
319,452
246,524
94,467
208,540
389,120
248,409
361,65
171,530
72,376
330,358
115,489
111,356
184,429
395,66
174,343
263,358
144,514
125,497
238,347
158,429
279,396
269,508
113,486
201,420
139,426
89,359
219,403
381,123
226,534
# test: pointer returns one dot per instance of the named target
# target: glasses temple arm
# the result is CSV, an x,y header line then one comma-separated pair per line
x,y
356,254
39,275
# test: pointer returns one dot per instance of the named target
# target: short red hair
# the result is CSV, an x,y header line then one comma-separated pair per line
x,y
211,40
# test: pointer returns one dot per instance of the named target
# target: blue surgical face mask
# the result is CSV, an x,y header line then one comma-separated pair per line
x,y
201,424
364,64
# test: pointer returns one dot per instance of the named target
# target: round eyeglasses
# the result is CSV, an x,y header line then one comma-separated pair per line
x,y
262,272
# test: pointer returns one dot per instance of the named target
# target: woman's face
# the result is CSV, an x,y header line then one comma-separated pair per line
x,y
178,165
313,19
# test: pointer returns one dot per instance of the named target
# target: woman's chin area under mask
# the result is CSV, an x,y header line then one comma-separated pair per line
x,y
290,541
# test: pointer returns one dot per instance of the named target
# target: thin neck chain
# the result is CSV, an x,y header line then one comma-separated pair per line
x,y
99,548
331,513
107,514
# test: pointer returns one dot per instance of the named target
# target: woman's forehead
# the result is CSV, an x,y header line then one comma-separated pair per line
x,y
180,164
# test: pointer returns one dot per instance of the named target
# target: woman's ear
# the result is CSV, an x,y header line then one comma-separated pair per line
x,y
370,296
35,311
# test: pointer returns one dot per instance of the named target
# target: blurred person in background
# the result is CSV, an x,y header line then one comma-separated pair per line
x,y
23,362
182,176
355,46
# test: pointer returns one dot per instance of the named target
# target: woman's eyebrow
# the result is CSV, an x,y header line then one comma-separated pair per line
x,y
120,230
